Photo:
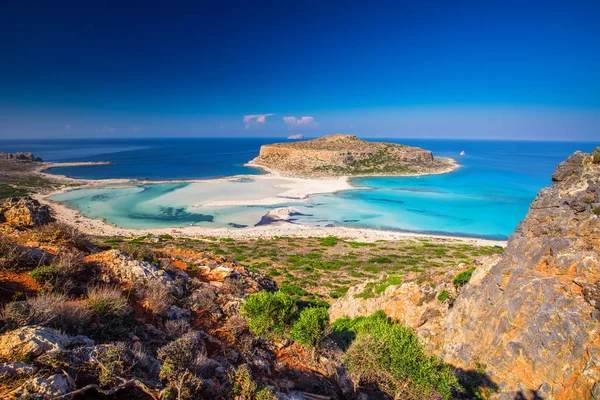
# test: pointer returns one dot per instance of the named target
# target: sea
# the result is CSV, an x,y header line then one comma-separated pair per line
x,y
486,197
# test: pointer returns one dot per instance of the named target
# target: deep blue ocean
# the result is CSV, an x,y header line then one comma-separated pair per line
x,y
486,197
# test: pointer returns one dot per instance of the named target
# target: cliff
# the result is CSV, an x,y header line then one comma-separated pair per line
x,y
532,320
346,155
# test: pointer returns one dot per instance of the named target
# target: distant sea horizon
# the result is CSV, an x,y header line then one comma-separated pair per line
x,y
486,197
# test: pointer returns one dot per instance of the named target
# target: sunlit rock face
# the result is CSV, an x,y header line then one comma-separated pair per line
x,y
532,321
24,212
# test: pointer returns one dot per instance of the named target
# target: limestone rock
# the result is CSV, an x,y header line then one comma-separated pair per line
x,y
24,212
53,386
33,341
415,306
20,156
16,368
533,319
126,269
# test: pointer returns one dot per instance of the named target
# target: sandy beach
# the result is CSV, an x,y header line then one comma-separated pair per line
x,y
291,189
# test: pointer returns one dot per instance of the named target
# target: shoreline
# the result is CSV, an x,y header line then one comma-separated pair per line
x,y
298,190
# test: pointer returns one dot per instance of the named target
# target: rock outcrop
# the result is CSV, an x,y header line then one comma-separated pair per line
x,y
415,306
24,212
345,155
20,156
125,269
533,320
33,341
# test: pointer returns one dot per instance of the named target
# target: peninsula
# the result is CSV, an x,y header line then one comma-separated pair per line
x,y
346,155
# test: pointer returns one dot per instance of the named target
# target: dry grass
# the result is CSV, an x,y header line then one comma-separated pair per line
x,y
49,309
107,301
60,234
157,298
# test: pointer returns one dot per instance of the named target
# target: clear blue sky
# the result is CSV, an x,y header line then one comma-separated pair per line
x,y
469,69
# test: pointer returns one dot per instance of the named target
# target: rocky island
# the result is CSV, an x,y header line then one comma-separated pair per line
x,y
347,155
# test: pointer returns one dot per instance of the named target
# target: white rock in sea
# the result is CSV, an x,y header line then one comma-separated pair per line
x,y
462,153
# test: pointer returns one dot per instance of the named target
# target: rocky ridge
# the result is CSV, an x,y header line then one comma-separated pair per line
x,y
533,318
20,156
347,155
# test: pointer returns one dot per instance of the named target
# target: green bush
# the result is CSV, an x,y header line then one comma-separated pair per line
x,y
380,260
291,289
389,355
269,314
463,278
596,210
44,273
329,241
311,327
444,295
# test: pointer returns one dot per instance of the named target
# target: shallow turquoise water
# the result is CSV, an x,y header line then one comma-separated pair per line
x,y
486,197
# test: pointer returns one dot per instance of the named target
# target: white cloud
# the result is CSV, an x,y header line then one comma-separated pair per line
x,y
255,120
136,130
108,129
306,121
68,127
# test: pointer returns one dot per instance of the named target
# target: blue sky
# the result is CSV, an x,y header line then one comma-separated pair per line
x,y
467,69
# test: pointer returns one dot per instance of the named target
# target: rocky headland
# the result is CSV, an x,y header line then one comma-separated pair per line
x,y
528,322
20,156
347,155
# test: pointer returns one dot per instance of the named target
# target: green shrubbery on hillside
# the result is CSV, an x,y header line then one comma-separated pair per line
x,y
390,356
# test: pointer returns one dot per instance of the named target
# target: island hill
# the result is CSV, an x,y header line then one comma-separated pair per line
x,y
347,155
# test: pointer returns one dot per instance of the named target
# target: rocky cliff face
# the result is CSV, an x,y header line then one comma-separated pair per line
x,y
337,155
21,156
533,320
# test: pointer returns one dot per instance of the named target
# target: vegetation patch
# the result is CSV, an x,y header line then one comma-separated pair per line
x,y
463,278
389,355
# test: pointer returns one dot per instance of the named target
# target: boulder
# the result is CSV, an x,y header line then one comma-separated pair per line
x,y
24,212
15,369
53,386
33,341
125,269
532,321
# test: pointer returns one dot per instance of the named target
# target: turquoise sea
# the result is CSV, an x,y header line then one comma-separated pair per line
x,y
486,197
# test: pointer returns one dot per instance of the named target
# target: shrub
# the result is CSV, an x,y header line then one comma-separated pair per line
x,y
463,278
57,233
329,241
139,253
157,298
107,301
389,355
311,326
56,311
13,256
291,289
62,275
444,295
203,300
269,314
380,260
596,210
244,387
